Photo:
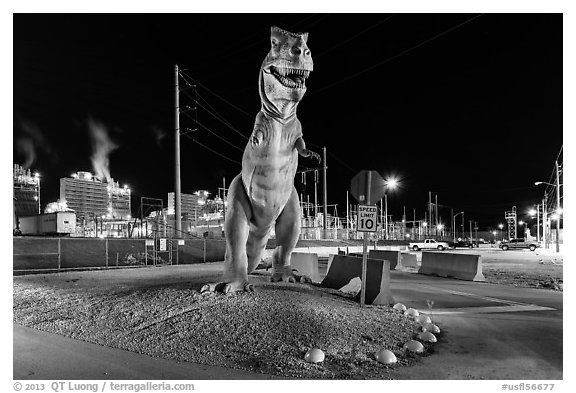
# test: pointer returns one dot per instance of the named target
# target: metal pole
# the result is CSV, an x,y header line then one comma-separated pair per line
x,y
382,216
59,255
557,207
365,248
386,213
224,199
538,223
177,190
316,194
325,224
470,222
347,213
106,252
544,219
429,211
436,209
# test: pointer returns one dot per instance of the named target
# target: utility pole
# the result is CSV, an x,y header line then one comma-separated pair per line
x,y
538,223
224,199
177,190
325,191
558,207
430,210
316,194
544,222
436,208
347,213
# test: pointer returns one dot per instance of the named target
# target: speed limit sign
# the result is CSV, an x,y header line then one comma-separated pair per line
x,y
367,216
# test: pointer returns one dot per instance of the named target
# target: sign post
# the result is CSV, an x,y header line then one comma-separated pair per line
x,y
367,216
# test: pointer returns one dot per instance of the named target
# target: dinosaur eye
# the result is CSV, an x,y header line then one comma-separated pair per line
x,y
274,42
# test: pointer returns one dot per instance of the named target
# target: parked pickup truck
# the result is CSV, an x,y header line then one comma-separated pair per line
x,y
429,244
519,243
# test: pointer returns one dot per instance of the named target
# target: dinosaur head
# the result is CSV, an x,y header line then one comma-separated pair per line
x,y
284,72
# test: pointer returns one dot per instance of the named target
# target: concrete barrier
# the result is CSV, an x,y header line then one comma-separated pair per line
x,y
305,264
462,266
342,269
408,260
387,255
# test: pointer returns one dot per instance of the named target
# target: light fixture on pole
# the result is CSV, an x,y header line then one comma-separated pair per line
x,y
391,183
501,235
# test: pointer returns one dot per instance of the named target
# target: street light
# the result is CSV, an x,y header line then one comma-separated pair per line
x,y
454,224
391,183
501,235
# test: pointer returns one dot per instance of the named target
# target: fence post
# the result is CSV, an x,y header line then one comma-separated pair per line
x,y
59,255
204,250
106,253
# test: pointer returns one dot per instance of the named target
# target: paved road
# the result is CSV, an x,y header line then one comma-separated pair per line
x,y
489,332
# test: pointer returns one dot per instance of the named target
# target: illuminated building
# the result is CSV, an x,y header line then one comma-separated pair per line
x,y
90,198
192,204
26,192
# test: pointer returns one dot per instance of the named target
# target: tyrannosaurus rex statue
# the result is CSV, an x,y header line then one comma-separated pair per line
x,y
263,194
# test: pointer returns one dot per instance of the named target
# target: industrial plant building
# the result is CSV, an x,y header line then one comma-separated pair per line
x,y
26,192
192,204
91,198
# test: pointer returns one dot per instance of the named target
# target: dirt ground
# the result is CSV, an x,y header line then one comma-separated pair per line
x,y
268,331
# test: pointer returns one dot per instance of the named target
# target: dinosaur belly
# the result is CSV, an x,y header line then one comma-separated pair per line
x,y
269,183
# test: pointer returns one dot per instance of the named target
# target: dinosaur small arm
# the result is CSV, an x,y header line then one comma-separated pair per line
x,y
263,195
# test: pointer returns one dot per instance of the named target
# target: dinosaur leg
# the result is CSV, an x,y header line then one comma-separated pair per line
x,y
236,229
287,233
257,240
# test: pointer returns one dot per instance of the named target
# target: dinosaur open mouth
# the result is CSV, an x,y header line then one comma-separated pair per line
x,y
291,77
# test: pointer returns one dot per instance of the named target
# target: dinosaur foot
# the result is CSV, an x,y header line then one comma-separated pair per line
x,y
228,287
293,278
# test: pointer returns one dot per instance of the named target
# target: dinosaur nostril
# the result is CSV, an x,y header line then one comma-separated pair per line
x,y
307,52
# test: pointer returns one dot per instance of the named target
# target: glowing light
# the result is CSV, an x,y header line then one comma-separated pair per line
x,y
555,216
75,175
391,182
407,235
500,226
128,217
532,212
494,233
521,222
439,226
36,174
424,224
559,211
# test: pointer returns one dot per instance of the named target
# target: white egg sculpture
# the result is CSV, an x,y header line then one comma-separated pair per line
x,y
430,327
399,307
414,346
386,356
423,319
411,312
314,355
427,337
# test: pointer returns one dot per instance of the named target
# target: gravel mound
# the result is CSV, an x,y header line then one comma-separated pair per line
x,y
268,331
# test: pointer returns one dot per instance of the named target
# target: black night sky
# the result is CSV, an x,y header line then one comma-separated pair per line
x,y
468,106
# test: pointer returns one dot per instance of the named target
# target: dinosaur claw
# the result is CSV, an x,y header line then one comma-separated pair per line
x,y
227,288
291,279
249,288
205,288
305,280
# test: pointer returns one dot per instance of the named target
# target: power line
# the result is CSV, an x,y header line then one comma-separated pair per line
x,y
211,150
223,99
396,55
354,36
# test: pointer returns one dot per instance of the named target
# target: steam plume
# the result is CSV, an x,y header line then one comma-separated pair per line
x,y
29,143
102,146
